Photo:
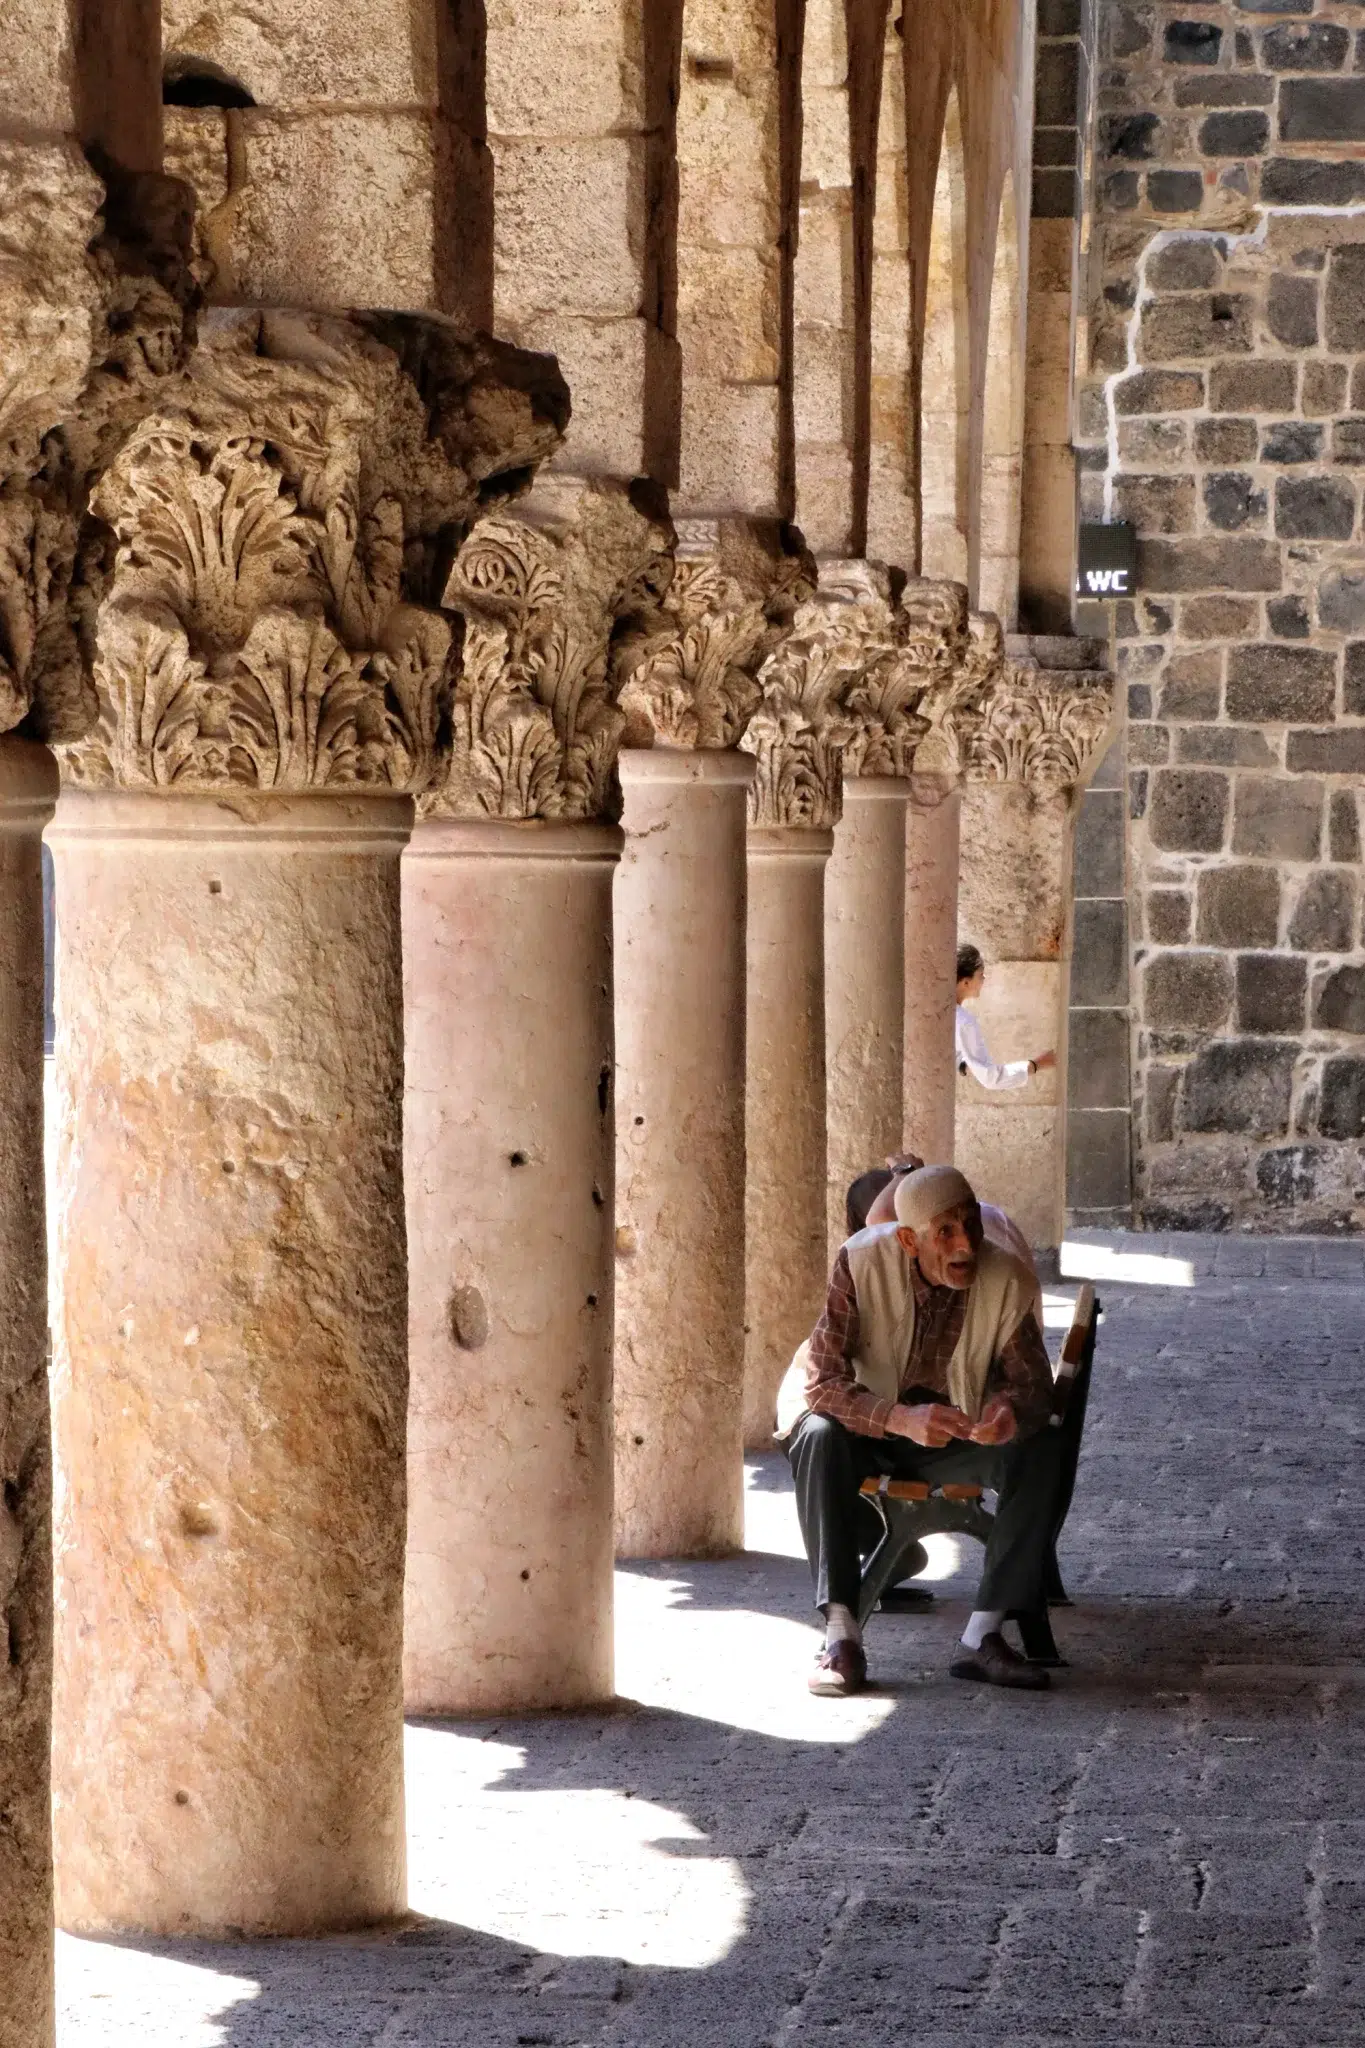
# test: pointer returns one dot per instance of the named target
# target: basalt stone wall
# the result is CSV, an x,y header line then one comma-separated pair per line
x,y
1224,414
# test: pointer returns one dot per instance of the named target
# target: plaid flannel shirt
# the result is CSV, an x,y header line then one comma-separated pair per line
x,y
1021,1371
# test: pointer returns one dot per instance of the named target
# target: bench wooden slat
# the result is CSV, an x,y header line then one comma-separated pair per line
x,y
896,1489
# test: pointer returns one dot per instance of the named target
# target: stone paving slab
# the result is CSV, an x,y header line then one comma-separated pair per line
x,y
1167,1851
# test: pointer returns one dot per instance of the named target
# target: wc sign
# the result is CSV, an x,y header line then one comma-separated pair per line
x,y
1106,561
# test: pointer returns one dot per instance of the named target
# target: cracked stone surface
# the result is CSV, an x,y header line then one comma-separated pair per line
x,y
1169,1849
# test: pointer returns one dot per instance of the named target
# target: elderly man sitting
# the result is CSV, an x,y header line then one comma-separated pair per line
x,y
928,1363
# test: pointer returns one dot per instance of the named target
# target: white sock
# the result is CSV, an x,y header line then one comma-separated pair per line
x,y
984,1622
841,1625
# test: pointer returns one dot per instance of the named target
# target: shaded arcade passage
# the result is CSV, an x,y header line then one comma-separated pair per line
x,y
1169,1849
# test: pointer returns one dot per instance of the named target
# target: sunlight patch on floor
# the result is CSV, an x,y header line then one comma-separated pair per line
x,y
738,1667
1138,1269
122,1997
573,1872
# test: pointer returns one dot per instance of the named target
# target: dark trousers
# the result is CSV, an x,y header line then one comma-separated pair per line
x,y
829,1464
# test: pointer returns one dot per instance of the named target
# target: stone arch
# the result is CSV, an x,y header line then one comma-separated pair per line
x,y
945,382
994,578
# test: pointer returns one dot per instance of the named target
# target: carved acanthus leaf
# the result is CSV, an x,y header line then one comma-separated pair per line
x,y
958,686
803,723
262,624
1044,728
685,669
535,729
882,698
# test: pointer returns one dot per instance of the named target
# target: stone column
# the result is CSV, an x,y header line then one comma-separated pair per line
x,y
230,1309
896,658
864,986
1027,749
509,1119
28,789
687,689
955,654
794,804
931,882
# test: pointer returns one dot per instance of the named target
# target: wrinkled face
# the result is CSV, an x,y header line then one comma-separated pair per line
x,y
972,987
947,1250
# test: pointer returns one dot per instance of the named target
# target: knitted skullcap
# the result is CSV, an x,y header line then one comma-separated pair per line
x,y
928,1192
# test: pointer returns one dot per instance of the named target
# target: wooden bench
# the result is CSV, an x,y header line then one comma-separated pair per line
x,y
911,1509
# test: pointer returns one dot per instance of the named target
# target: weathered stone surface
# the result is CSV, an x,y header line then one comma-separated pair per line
x,y
507,921
1271,989
1341,1105
1291,441
1187,991
1225,440
1339,751
1224,746
1241,564
1252,387
232,1456
1237,906
1341,598
535,729
1344,304
1314,508
1345,826
1277,819
1232,501
1168,916
1308,181
1280,683
1188,811
1241,1085
1288,617
1100,959
28,788
1322,110
270,620
1339,1001
1323,920
1159,391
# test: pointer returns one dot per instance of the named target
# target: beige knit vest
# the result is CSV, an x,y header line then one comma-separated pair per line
x,y
997,1302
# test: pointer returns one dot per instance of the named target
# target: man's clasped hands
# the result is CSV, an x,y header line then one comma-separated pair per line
x,y
935,1423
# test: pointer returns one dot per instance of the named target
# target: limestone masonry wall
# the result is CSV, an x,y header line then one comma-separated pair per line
x,y
1224,413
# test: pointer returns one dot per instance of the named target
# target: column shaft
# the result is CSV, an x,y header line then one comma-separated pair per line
x,y
784,1211
28,789
509,1134
865,985
931,870
230,1363
680,915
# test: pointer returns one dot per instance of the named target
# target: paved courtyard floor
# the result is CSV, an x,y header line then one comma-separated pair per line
x,y
1167,1849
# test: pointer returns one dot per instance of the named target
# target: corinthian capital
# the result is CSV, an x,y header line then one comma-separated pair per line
x,y
1043,727
803,720
270,618
686,668
535,728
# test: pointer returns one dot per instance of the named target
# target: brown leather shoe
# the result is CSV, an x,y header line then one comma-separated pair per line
x,y
995,1663
842,1669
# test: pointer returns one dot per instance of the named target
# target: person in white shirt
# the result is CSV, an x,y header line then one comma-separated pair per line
x,y
973,1054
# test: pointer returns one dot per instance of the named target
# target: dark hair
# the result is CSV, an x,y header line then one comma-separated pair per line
x,y
969,962
862,1193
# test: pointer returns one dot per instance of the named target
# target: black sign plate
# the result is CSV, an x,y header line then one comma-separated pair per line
x,y
1106,561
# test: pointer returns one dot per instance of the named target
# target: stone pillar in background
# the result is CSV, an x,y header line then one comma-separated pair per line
x,y
955,654
686,685
509,1118
865,883
1027,750
230,1309
796,734
909,658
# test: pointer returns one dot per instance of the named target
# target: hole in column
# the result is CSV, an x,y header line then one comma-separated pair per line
x,y
215,888
526,1575
11,1497
710,67
519,1159
228,1166
598,1198
603,1089
182,1798
592,1301
637,1439
1222,308
639,1119
199,82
